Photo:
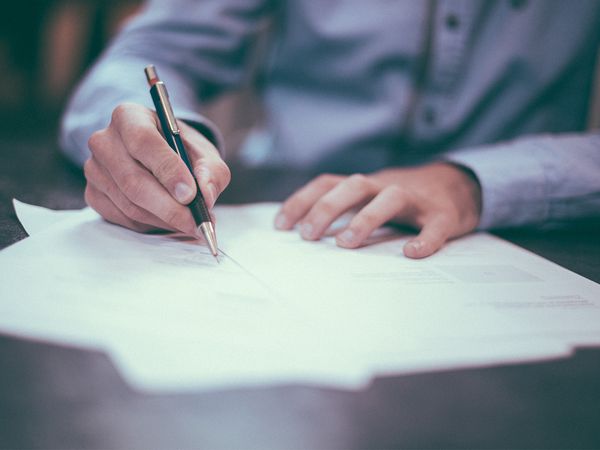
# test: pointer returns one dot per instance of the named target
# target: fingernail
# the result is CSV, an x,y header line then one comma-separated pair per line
x,y
414,246
183,193
281,221
212,193
346,237
306,230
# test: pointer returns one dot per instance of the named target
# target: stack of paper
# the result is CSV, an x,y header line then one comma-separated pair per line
x,y
277,309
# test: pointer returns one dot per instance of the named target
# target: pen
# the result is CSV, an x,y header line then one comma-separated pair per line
x,y
171,132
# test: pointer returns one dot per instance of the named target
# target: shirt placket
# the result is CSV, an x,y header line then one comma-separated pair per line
x,y
449,42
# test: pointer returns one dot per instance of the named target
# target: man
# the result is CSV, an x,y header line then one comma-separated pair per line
x,y
441,109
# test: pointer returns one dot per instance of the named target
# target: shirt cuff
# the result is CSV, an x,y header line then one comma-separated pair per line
x,y
512,180
205,127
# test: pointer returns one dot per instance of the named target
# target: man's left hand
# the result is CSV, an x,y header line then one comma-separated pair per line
x,y
441,200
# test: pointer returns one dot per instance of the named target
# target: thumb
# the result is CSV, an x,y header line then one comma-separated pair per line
x,y
432,237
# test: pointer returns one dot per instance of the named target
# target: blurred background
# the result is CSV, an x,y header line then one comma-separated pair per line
x,y
45,48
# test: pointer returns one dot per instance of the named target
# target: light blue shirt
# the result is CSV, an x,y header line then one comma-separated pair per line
x,y
501,87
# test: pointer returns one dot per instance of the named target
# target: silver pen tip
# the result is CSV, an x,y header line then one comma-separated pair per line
x,y
209,234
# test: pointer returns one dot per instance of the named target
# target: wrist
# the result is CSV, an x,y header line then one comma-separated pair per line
x,y
468,188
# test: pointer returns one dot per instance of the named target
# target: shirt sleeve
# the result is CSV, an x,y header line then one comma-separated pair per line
x,y
535,180
199,49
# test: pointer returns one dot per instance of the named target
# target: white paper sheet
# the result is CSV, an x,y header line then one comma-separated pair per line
x,y
37,218
281,310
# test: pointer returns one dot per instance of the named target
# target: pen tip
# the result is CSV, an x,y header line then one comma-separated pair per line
x,y
211,239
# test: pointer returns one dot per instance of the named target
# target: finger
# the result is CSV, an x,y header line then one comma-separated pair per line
x,y
433,235
351,192
107,209
299,203
210,170
390,203
138,184
101,180
138,129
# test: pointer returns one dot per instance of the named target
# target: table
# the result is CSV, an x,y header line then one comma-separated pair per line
x,y
53,396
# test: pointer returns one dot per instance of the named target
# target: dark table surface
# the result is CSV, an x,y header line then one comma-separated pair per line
x,y
57,397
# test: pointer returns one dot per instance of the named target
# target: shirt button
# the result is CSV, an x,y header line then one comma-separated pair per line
x,y
429,115
452,22
517,4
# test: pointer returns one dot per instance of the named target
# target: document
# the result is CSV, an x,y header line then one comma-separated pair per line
x,y
277,309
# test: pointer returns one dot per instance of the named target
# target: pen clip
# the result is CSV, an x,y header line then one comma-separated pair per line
x,y
163,95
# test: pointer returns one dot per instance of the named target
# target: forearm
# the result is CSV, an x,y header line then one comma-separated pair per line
x,y
198,53
118,80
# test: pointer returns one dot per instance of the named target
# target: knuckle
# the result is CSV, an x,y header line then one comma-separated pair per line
x,y
139,138
174,216
135,213
121,112
364,220
130,210
113,192
394,191
359,181
88,169
96,141
324,207
223,173
132,188
167,167
327,180
89,196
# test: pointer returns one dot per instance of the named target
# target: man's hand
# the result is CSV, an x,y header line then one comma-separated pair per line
x,y
136,180
441,200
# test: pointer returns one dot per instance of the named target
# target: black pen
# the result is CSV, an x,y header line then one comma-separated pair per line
x,y
171,132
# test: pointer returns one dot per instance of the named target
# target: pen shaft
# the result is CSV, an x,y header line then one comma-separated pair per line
x,y
172,135
197,206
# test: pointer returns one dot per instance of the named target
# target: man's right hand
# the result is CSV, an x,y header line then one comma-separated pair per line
x,y
136,180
